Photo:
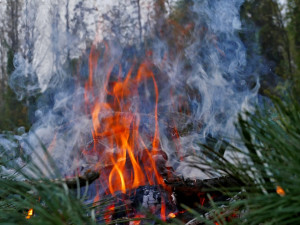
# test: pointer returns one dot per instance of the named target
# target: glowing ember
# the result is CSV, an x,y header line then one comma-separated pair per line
x,y
137,222
172,215
280,191
29,214
108,214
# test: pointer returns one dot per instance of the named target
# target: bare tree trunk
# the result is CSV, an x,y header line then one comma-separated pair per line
x,y
286,40
139,20
2,59
13,8
67,16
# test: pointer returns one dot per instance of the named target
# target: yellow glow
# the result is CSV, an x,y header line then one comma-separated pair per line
x,y
29,214
172,215
280,191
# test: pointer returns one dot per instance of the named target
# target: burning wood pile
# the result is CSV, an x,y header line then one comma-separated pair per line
x,y
126,149
167,199
136,142
127,157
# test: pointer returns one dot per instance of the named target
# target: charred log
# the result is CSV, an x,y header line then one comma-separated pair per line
x,y
195,192
198,185
177,183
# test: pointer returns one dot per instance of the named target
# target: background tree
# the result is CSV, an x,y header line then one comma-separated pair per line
x,y
3,54
29,29
122,23
265,25
13,113
293,25
80,27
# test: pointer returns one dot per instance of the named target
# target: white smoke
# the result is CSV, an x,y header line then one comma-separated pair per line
x,y
210,74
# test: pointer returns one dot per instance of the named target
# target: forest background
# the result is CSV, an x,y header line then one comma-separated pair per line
x,y
270,29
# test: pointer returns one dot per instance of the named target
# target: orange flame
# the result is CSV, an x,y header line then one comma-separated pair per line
x,y
29,214
163,210
116,123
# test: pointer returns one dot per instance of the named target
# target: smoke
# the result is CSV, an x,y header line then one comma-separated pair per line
x,y
217,79
24,80
220,73
202,73
13,151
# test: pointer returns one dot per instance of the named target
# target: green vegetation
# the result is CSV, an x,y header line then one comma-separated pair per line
x,y
265,25
268,168
25,187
